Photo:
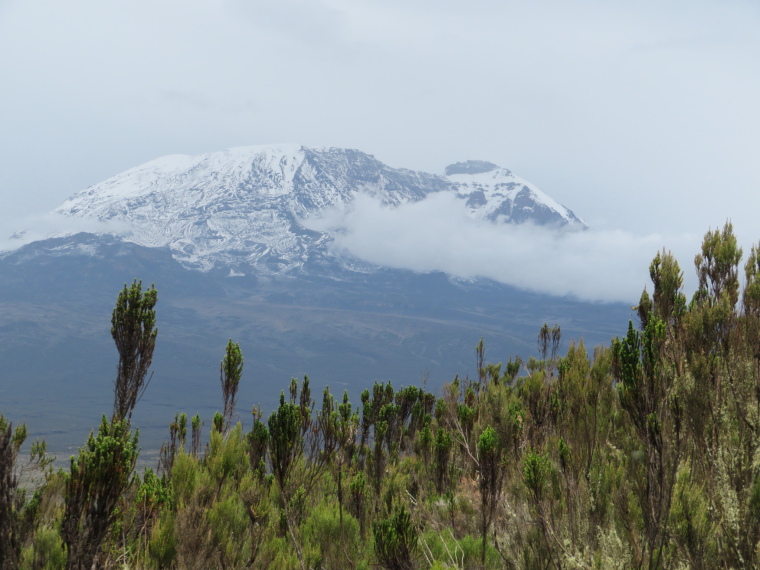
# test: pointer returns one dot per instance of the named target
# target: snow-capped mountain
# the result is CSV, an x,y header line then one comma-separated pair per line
x,y
495,194
240,209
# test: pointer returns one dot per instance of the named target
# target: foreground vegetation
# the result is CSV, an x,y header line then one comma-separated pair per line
x,y
643,454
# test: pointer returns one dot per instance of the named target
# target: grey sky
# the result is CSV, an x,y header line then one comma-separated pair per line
x,y
639,116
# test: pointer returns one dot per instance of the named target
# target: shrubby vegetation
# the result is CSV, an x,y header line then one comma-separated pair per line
x,y
643,454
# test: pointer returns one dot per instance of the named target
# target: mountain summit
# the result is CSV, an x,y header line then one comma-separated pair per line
x,y
470,167
240,209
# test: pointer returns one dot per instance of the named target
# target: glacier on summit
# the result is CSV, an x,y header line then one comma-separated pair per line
x,y
241,209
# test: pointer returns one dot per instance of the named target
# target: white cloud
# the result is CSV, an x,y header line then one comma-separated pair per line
x,y
437,234
56,225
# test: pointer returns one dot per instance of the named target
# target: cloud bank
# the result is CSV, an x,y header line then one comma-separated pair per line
x,y
53,225
436,234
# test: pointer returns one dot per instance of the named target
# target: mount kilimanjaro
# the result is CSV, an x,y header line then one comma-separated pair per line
x,y
224,236
242,208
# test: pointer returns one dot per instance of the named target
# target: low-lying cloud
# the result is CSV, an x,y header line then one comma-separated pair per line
x,y
437,234
56,225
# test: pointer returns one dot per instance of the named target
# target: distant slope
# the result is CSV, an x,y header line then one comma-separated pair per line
x,y
57,359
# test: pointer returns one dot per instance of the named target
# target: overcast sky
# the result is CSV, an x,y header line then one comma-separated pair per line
x,y
642,117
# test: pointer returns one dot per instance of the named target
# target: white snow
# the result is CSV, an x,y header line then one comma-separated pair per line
x,y
500,184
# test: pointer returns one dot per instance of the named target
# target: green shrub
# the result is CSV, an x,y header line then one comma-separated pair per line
x,y
46,551
328,546
162,546
396,541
